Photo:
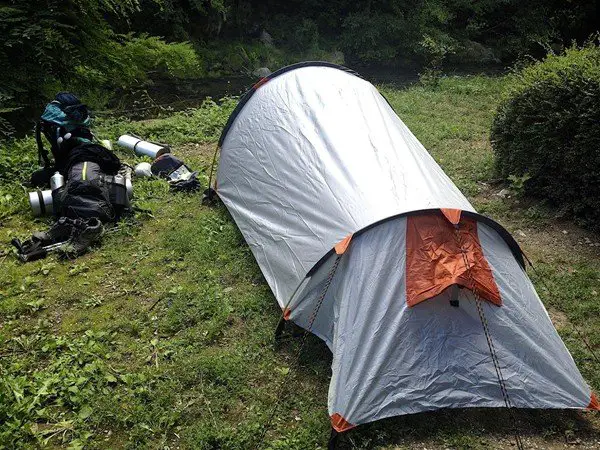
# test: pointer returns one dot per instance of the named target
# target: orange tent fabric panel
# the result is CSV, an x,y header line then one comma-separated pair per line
x,y
594,405
287,312
439,255
340,424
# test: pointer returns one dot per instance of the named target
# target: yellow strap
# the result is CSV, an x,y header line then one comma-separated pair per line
x,y
83,172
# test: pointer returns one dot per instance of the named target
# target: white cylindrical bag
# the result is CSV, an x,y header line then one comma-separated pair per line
x,y
41,202
143,169
141,147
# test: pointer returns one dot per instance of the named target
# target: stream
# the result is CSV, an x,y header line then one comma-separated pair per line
x,y
162,96
166,96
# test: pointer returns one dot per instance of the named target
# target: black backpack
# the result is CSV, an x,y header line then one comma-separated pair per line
x,y
86,194
90,190
65,123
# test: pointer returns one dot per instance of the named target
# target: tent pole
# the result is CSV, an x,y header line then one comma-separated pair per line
x,y
333,440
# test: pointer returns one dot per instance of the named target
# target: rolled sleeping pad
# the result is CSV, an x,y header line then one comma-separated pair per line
x,y
141,147
41,202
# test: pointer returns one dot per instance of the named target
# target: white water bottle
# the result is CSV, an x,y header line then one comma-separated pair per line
x,y
57,181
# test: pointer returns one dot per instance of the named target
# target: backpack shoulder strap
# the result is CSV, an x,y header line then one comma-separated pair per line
x,y
42,152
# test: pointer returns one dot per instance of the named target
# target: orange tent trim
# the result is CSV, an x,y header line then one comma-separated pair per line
x,y
340,424
439,255
342,246
260,82
594,404
453,215
287,312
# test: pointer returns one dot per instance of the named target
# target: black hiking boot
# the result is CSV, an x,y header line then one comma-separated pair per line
x,y
85,233
59,232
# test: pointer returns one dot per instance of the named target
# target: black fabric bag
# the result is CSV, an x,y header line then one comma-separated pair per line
x,y
86,194
65,124
179,176
165,164
106,160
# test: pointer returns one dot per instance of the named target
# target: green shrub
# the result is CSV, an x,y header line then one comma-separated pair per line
x,y
223,58
72,46
376,37
126,63
294,34
42,44
547,130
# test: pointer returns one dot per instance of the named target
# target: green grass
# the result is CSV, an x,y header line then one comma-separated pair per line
x,y
162,337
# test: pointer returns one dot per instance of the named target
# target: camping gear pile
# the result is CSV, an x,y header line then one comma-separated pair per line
x,y
85,186
367,243
165,165
89,187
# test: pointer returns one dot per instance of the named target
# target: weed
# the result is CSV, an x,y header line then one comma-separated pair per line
x,y
91,301
52,403
517,183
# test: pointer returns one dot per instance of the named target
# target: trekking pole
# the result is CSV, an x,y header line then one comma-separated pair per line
x,y
42,252
39,253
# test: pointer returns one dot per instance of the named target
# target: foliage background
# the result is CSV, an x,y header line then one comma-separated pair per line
x,y
546,135
103,48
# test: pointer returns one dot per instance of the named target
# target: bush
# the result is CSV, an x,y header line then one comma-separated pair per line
x,y
126,62
376,37
547,131
223,58
294,34
71,45
42,44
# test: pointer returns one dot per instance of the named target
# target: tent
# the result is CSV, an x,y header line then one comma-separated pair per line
x,y
368,244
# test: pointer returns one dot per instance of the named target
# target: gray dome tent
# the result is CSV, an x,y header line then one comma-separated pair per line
x,y
366,242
